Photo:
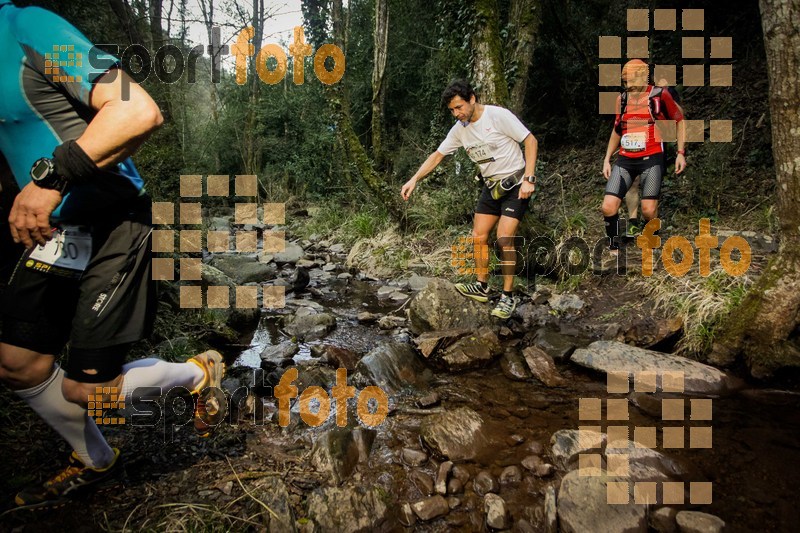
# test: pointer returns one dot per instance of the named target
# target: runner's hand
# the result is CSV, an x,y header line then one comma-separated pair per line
x,y
606,169
408,188
525,190
680,164
30,215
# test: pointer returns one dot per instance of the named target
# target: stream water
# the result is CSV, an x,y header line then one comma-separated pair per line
x,y
753,464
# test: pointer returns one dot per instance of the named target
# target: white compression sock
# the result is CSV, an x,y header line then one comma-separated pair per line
x,y
157,373
69,420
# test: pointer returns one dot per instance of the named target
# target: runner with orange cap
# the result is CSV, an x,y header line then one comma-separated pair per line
x,y
635,133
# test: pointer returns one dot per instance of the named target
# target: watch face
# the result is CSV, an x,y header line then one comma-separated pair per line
x,y
40,169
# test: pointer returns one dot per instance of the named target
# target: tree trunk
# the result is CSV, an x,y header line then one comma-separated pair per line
x,y
355,155
526,15
765,327
128,20
381,41
156,31
487,70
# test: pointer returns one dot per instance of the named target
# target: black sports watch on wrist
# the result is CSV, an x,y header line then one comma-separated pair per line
x,y
43,174
529,179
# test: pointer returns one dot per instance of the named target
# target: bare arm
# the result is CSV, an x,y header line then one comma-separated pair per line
x,y
120,126
426,168
613,144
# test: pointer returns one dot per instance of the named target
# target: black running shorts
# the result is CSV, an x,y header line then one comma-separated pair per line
x,y
626,169
110,306
508,206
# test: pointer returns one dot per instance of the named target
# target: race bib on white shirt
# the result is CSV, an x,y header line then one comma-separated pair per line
x,y
480,153
66,254
634,142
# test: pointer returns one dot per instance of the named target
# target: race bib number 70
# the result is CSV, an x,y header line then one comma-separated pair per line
x,y
66,254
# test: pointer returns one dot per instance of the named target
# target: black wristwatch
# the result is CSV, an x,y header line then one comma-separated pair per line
x,y
529,179
44,175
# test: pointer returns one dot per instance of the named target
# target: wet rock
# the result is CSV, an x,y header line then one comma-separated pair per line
x,y
453,502
454,486
431,508
533,316
305,263
391,322
385,292
441,477
336,453
646,403
398,296
244,269
566,444
513,366
291,253
550,511
458,434
431,341
364,439
309,325
349,508
214,276
407,516
557,345
344,275
422,481
542,367
645,464
496,515
461,473
565,303
365,317
663,520
469,352
696,522
440,306
273,493
523,526
284,350
485,483
337,249
418,283
650,331
219,223
413,457
339,357
532,462
583,506
515,440
535,447
429,400
544,470
392,367
510,475
609,356
265,257
329,267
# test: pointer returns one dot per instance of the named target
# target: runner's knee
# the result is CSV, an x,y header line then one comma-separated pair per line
x,y
610,206
649,211
22,369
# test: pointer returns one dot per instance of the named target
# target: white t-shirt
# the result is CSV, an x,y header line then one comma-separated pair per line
x,y
492,142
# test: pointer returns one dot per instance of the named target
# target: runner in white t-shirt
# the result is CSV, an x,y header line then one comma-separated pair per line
x,y
491,137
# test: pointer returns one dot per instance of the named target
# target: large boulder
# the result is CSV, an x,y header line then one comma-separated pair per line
x,y
440,306
611,356
351,508
460,349
307,324
583,505
338,451
273,493
392,367
458,434
243,268
291,253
